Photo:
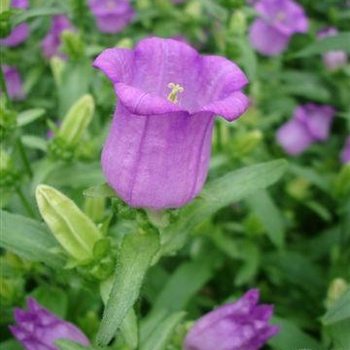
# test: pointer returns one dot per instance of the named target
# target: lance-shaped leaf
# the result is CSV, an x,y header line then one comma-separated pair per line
x,y
137,252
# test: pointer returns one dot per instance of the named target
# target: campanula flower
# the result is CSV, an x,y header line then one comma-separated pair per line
x,y
37,328
111,16
332,59
345,154
158,149
242,325
279,20
310,123
13,83
51,43
20,32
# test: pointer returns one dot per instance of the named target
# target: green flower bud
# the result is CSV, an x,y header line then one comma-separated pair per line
x,y
238,23
246,143
8,174
337,287
125,43
72,44
76,233
77,120
57,67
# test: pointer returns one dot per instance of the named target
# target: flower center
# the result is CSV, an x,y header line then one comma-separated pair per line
x,y
175,89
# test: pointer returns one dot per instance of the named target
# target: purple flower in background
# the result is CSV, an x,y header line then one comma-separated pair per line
x,y
51,43
158,149
20,32
332,59
310,123
345,154
242,325
13,83
280,19
111,15
38,328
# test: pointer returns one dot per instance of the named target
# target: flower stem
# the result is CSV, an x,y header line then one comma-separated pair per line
x,y
25,203
24,157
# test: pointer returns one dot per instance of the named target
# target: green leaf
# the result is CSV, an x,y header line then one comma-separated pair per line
x,y
42,11
185,282
34,142
339,310
292,336
29,116
219,193
160,335
336,42
29,239
135,257
269,215
64,344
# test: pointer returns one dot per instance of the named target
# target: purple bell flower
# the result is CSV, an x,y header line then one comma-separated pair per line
x,y
332,59
38,328
242,325
112,16
280,19
19,33
51,43
13,83
310,123
345,154
158,149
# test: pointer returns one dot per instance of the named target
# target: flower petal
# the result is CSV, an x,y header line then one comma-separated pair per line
x,y
266,39
294,137
230,107
116,64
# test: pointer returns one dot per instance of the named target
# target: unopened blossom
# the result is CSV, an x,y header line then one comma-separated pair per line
x,y
13,83
37,328
279,20
20,32
310,123
242,325
111,16
158,148
345,154
332,59
52,42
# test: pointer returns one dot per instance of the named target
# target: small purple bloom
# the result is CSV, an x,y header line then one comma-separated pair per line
x,y
158,149
345,154
242,325
112,16
38,328
280,19
310,123
13,83
20,32
51,43
332,59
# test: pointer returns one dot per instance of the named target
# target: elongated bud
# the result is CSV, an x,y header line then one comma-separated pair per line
x,y
57,67
238,23
77,120
337,287
76,233
72,44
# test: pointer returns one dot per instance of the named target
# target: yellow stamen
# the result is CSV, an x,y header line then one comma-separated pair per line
x,y
175,89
